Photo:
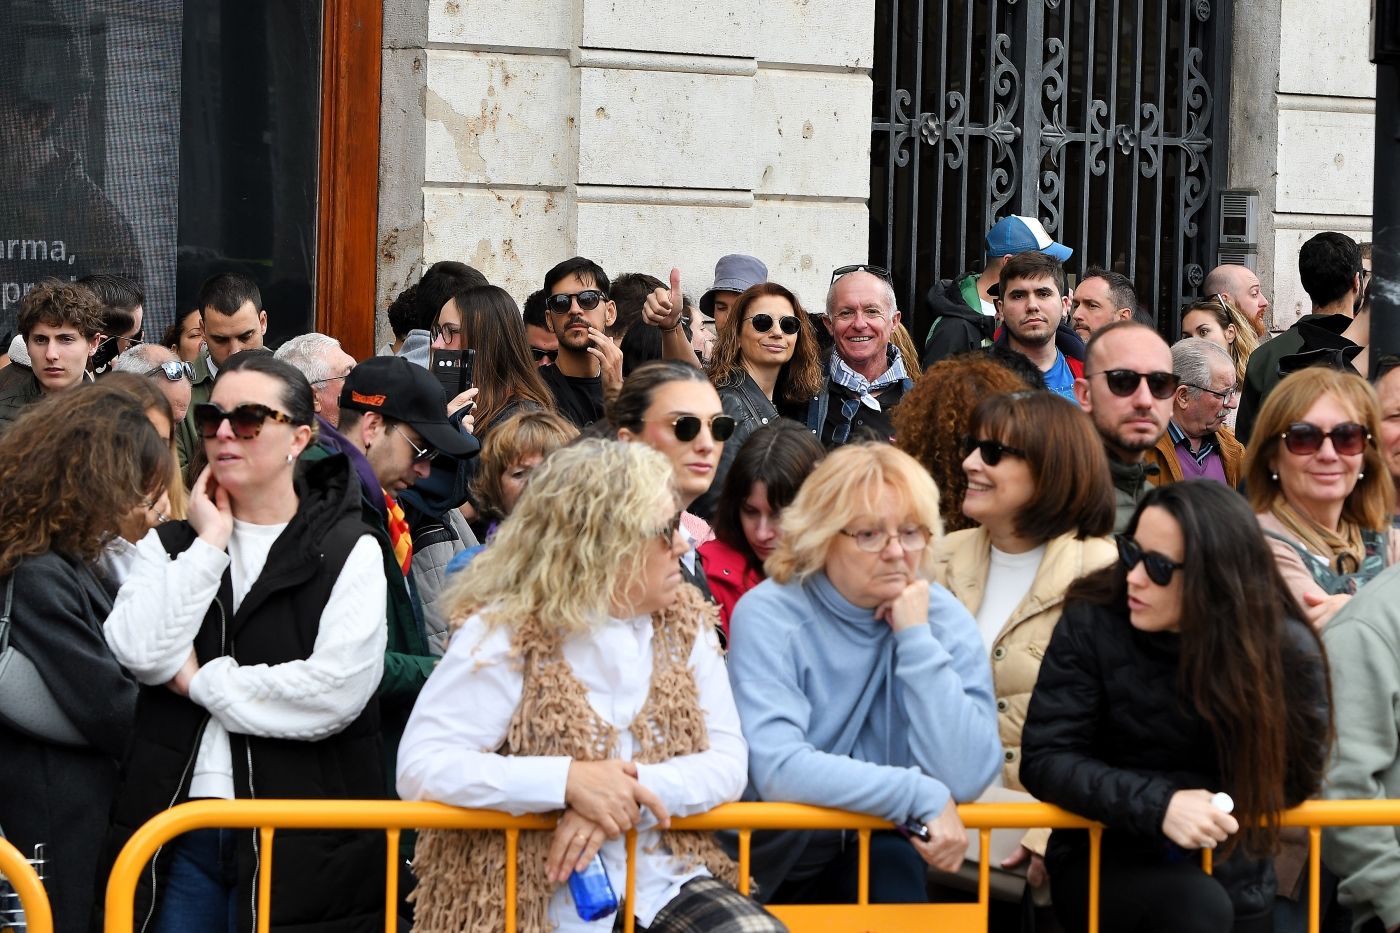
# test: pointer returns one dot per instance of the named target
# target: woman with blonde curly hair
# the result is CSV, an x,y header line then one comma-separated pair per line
x,y
596,687
931,421
766,363
860,684
71,468
1320,488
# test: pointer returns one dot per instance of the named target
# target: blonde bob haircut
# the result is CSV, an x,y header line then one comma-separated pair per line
x,y
844,488
574,543
1371,502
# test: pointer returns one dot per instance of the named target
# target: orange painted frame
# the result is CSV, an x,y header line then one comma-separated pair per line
x,y
348,203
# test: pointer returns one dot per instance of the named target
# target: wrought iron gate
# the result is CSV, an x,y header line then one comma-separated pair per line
x,y
1104,118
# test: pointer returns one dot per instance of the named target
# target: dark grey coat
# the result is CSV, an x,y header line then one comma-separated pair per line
x,y
52,794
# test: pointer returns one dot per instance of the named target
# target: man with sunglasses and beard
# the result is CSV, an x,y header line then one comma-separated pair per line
x,y
588,367
1127,390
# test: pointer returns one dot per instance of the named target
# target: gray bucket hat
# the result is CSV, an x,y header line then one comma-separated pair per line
x,y
733,273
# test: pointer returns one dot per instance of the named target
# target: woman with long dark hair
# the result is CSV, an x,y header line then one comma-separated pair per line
x,y
766,363
1156,697
763,480
486,319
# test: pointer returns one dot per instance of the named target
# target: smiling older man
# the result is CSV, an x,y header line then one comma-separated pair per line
x,y
1197,444
865,374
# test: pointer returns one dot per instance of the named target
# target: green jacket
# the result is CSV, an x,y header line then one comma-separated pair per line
x,y
186,436
1129,486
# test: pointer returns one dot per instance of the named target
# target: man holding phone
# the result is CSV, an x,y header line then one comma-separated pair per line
x,y
588,368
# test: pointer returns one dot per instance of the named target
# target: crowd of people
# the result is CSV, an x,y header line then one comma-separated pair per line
x,y
657,555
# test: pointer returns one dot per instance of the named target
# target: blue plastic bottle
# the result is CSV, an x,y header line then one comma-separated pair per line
x,y
593,893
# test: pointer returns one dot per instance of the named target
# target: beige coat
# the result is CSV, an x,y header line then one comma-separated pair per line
x,y
962,561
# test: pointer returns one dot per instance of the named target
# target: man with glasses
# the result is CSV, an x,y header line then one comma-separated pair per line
x,y
588,368
544,346
1330,267
1127,390
1197,444
172,375
865,375
325,365
123,311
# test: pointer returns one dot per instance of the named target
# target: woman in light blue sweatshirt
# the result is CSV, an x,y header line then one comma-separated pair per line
x,y
860,685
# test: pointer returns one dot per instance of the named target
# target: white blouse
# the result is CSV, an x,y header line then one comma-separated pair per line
x,y
448,749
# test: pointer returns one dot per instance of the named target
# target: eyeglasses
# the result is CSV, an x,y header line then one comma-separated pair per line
x,y
540,355
763,323
687,427
246,420
587,299
420,454
321,382
910,537
1223,396
667,533
448,332
878,271
149,505
123,343
1124,382
1348,438
1159,567
991,451
174,370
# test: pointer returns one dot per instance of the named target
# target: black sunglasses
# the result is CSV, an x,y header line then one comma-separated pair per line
x,y
1124,382
246,420
174,370
1159,567
587,299
668,533
991,451
539,354
763,323
687,427
1348,438
878,271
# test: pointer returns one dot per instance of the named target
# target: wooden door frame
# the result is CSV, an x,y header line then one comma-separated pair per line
x,y
347,213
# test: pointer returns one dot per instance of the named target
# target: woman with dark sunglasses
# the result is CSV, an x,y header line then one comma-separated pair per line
x,y
1320,487
257,630
1183,704
1039,489
766,363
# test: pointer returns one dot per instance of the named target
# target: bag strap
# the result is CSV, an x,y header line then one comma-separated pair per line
x,y
5,618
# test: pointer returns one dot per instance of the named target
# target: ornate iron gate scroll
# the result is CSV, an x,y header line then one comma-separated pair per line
x,y
1106,119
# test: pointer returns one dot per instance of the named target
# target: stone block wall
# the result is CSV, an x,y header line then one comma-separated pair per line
x,y
516,133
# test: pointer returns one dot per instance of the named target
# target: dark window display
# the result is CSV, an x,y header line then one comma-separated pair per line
x,y
163,141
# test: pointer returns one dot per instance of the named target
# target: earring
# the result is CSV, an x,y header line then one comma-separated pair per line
x,y
291,457
1361,474
1274,477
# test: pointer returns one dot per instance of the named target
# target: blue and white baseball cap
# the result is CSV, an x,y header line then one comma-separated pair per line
x,y
1016,234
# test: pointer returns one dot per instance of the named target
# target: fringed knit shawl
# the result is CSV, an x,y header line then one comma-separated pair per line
x,y
461,874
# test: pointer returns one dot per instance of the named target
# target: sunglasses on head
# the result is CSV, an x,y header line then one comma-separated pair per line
x,y
246,420
539,354
763,323
1348,438
877,271
174,370
991,451
687,427
588,299
1124,382
1159,567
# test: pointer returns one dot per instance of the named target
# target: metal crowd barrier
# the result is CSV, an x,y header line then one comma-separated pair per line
x,y
266,816
24,904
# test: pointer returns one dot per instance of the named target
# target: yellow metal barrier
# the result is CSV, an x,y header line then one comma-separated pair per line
x,y
15,867
394,816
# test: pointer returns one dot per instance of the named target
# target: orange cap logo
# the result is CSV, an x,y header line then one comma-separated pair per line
x,y
375,400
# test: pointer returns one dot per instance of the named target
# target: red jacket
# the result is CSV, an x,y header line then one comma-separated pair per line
x,y
730,576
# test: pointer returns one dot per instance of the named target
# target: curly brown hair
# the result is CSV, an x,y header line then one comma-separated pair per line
x,y
71,466
931,420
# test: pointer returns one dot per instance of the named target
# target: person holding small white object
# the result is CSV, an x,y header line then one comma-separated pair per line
x,y
1181,717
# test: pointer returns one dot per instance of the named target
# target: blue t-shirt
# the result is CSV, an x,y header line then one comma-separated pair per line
x,y
1060,378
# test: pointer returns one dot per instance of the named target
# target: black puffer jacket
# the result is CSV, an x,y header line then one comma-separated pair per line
x,y
954,327
1110,736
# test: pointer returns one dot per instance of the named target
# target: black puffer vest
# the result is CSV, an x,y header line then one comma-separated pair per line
x,y
319,877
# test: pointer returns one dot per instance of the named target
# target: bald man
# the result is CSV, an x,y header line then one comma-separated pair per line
x,y
1240,285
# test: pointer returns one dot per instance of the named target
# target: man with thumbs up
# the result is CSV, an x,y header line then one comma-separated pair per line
x,y
588,369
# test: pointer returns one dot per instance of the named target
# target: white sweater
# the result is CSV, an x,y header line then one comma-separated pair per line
x,y
162,605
